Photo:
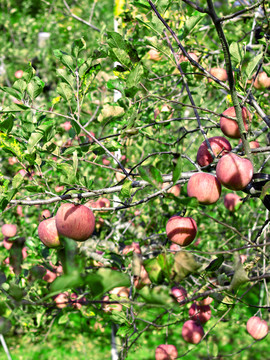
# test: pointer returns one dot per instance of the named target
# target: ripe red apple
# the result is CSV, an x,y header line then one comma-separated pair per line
x,y
154,55
49,276
234,172
76,222
48,233
205,187
182,57
18,74
66,125
61,300
179,293
231,200
121,291
105,161
219,73
219,145
166,352
253,144
192,332
19,210
175,248
7,244
230,127
181,230
201,313
257,328
77,303
12,160
9,230
262,81
175,190
45,214
59,188
110,307
205,301
134,247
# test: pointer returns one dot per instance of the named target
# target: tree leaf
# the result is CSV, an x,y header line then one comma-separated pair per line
x,y
135,76
252,65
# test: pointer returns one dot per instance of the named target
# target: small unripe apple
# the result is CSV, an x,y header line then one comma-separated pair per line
x,y
48,233
166,352
76,222
175,190
179,293
262,81
205,187
230,127
234,172
257,327
201,313
219,73
192,332
181,230
9,230
219,145
18,74
231,200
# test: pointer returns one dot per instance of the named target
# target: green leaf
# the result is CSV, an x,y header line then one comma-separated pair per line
x,y
20,85
8,142
240,276
237,52
157,295
154,270
106,279
35,87
77,46
64,90
14,108
135,76
75,162
117,85
156,174
40,133
17,181
7,124
252,65
66,76
144,173
126,189
184,265
12,92
122,56
28,73
191,23
65,59
109,110
215,264
66,282
177,171
115,40
63,319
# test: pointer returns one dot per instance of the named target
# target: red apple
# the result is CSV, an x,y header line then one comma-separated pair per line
x,y
77,303
120,291
166,352
262,81
61,300
181,230
142,280
48,233
105,161
257,328
182,57
253,144
192,332
59,188
174,248
205,301
18,74
154,55
76,222
201,313
134,247
110,307
19,210
12,160
66,125
205,187
7,244
230,127
49,276
219,73
175,190
219,145
234,172
231,200
9,230
179,293
45,214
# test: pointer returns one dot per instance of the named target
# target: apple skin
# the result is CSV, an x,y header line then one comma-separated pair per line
x,y
134,247
253,144
66,125
219,145
7,244
257,328
142,280
179,293
231,200
107,308
182,57
18,74
175,190
234,172
192,332
219,73
205,187
181,230
61,300
230,127
205,301
76,222
166,352
48,233
262,81
201,313
9,230
154,55
49,276
121,291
